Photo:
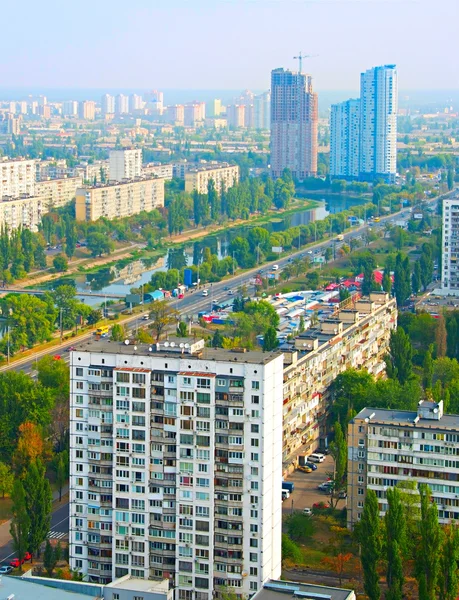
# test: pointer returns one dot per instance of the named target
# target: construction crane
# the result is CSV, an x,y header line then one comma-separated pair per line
x,y
300,57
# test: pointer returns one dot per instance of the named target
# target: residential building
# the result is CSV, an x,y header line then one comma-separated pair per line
x,y
117,200
22,107
223,175
58,192
175,114
125,164
194,113
388,447
262,111
135,103
44,111
25,212
378,123
175,469
87,110
345,140
121,104
13,124
280,589
450,246
108,105
294,124
354,337
17,177
164,171
97,171
70,108
214,108
12,108
155,102
235,115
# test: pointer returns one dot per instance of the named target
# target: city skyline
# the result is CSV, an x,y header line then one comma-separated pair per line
x,y
46,56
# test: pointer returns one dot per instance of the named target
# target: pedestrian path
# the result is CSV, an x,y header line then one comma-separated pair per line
x,y
56,535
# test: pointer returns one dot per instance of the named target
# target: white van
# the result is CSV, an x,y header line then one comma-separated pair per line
x,y
285,494
205,293
275,267
317,458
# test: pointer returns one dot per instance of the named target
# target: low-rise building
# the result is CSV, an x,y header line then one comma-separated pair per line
x,y
353,337
282,590
58,192
116,200
386,447
223,175
164,171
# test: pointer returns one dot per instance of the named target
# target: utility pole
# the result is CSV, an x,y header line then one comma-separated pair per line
x,y
8,345
61,325
233,263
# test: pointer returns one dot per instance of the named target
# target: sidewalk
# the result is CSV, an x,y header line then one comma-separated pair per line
x,y
5,535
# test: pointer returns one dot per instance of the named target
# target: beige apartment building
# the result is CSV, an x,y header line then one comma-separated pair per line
x,y
355,337
387,447
17,177
119,199
223,174
22,212
58,192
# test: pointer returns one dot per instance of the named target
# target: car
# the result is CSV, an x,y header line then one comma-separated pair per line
x,y
205,292
327,486
27,556
342,495
304,469
307,511
311,466
5,569
285,494
230,292
226,288
16,563
275,267
320,505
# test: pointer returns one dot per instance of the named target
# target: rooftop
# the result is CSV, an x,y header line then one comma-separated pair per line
x,y
411,418
21,589
281,590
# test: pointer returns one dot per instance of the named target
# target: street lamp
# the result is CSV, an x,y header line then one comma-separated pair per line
x,y
8,333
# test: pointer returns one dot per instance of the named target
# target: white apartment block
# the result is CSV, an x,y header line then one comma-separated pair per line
x,y
121,104
345,140
117,200
262,111
386,447
125,164
70,108
58,192
176,466
17,177
378,123
107,104
223,174
235,115
450,246
354,337
164,171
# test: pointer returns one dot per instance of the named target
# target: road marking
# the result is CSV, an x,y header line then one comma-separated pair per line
x,y
63,520
9,556
56,535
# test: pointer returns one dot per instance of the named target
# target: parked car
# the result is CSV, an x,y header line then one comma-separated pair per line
x,y
16,563
320,505
307,511
327,486
5,570
316,458
311,466
285,495
342,495
27,556
304,469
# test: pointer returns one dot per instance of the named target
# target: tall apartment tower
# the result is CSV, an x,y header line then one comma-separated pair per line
x,y
345,140
70,108
235,114
108,104
125,164
294,124
121,104
262,111
378,123
176,465
87,110
135,102
450,246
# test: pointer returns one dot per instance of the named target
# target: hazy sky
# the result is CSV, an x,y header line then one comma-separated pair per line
x,y
225,44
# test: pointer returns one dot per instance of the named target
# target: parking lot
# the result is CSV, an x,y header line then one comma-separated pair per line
x,y
306,493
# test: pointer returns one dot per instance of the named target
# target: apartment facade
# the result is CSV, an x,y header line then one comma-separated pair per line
x,y
165,171
87,110
175,114
121,104
235,115
387,447
356,337
262,111
450,246
58,192
117,200
125,164
108,104
17,177
176,466
70,108
345,140
223,175
194,113
294,124
378,123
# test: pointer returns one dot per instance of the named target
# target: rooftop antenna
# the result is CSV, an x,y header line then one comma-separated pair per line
x,y
300,57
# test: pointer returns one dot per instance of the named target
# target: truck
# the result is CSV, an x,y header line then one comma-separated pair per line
x,y
288,485
340,237
103,330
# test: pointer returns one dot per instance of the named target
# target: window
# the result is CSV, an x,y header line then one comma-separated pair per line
x,y
360,491
253,557
254,456
255,428
255,385
79,372
254,442
221,382
186,380
253,543
79,385
203,383
122,377
79,399
203,398
255,399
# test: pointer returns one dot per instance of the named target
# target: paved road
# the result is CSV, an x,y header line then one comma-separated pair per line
x,y
306,493
59,525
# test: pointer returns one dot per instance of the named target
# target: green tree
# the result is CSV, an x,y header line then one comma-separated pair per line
x,y
427,368
118,333
399,360
60,263
163,316
6,480
99,243
448,574
290,550
387,281
450,179
70,236
299,527
20,522
416,280
217,339
402,276
270,341
441,342
61,471
49,559
428,548
368,283
328,254
182,329
38,499
395,544
368,532
338,449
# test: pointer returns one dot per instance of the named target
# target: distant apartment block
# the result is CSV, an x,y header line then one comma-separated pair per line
x,y
125,164
345,140
235,115
17,177
58,192
70,108
163,171
12,124
175,469
387,447
175,114
355,337
135,102
107,105
262,111
121,104
117,200
294,124
87,110
223,175
450,246
194,113
214,108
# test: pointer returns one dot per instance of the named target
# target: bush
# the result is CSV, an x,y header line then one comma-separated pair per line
x,y
299,526
290,550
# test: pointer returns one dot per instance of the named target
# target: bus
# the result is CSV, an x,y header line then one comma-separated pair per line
x,y
103,330
376,219
340,237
